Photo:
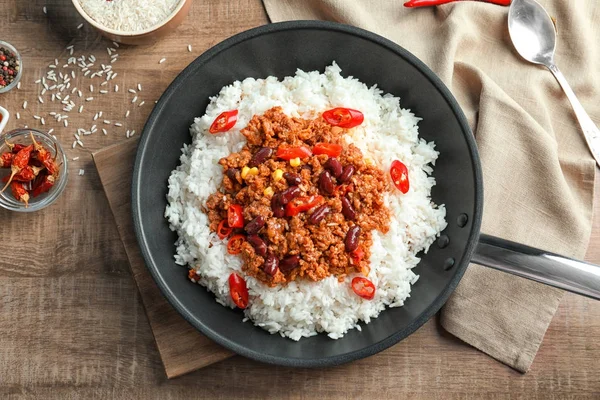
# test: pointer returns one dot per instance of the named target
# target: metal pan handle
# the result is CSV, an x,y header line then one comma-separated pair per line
x,y
538,265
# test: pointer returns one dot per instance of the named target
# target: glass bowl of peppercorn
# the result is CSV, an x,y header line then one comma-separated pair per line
x,y
33,170
11,67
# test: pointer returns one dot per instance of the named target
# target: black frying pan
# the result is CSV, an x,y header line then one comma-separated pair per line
x,y
278,50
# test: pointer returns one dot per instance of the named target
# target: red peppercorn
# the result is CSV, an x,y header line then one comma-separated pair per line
x,y
10,72
2,58
4,68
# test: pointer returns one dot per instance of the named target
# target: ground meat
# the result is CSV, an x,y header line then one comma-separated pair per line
x,y
320,247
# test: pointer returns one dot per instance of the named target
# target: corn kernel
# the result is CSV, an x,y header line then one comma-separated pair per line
x,y
294,162
245,171
268,191
253,171
368,161
277,175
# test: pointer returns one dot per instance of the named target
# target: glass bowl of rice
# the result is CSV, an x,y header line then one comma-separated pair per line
x,y
133,21
43,200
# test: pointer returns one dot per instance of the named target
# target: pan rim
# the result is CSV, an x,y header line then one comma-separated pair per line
x,y
376,347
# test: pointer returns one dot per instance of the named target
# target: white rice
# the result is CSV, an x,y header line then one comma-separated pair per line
x,y
129,15
303,308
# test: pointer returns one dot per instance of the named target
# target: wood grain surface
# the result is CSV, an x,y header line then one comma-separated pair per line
x,y
182,348
71,322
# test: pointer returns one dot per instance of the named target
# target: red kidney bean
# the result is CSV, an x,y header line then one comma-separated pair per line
x,y
277,206
288,194
232,174
347,209
351,242
289,263
260,247
347,173
292,179
260,156
318,215
271,264
334,166
326,183
255,225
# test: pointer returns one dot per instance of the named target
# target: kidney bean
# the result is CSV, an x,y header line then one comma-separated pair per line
x,y
232,174
255,225
348,210
288,194
289,263
271,264
351,242
277,206
292,179
334,166
347,173
260,156
260,247
326,183
318,215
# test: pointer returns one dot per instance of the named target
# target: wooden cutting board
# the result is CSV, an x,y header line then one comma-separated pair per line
x,y
182,348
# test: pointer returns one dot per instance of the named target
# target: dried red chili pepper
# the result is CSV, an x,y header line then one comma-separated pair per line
x,y
20,161
234,246
343,117
238,290
399,174
224,122
6,160
14,147
44,156
427,3
301,204
288,153
235,216
331,149
363,287
223,230
45,185
20,193
27,174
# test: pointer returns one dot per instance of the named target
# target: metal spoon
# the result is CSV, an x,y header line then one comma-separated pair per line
x,y
534,36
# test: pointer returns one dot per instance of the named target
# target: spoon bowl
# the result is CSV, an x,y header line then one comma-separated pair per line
x,y
532,31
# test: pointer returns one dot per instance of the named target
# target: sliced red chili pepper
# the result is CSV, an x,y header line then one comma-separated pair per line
x,y
193,275
357,255
235,216
234,246
363,287
399,174
331,149
343,117
223,230
238,290
224,122
301,204
426,3
288,153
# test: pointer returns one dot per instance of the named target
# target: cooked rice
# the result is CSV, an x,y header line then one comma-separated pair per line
x,y
304,308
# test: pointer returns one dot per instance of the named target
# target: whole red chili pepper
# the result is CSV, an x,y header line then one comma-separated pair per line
x,y
44,156
20,161
44,186
20,192
14,147
6,160
427,3
27,174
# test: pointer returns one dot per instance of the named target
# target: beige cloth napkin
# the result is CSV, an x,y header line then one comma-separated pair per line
x,y
538,172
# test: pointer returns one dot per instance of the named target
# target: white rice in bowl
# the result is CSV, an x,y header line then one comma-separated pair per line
x,y
304,308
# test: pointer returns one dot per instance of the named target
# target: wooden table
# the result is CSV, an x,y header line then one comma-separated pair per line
x,y
71,323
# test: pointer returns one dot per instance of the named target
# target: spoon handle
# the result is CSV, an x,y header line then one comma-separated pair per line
x,y
590,130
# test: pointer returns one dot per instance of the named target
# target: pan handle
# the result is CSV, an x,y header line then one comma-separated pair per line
x,y
538,265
